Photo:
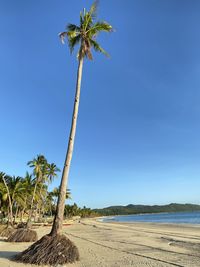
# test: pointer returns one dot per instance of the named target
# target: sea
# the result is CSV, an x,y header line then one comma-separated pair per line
x,y
173,217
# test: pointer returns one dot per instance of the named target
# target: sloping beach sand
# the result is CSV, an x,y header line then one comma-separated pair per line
x,y
123,245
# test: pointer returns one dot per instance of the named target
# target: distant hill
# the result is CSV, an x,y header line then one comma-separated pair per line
x,y
136,209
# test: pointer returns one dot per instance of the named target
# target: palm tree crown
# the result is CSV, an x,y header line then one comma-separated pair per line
x,y
39,165
86,33
52,170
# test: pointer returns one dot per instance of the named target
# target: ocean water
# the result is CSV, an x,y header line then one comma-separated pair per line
x,y
175,217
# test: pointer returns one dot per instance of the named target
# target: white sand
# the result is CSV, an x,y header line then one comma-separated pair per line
x,y
123,245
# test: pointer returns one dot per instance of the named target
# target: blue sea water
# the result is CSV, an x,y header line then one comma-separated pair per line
x,y
175,217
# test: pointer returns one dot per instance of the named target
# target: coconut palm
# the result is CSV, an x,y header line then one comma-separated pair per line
x,y
42,172
14,190
28,188
53,198
40,199
39,165
3,196
49,205
52,170
17,193
43,251
5,179
56,192
6,197
85,35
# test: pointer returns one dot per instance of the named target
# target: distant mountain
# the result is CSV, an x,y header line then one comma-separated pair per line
x,y
136,209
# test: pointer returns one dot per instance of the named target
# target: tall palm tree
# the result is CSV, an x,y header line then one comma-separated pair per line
x,y
5,180
39,165
28,188
52,170
85,35
56,192
54,249
14,189
40,200
3,195
17,192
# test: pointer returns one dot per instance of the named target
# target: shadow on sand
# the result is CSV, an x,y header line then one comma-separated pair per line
x,y
8,254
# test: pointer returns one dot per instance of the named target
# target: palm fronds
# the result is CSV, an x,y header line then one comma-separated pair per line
x,y
85,33
98,48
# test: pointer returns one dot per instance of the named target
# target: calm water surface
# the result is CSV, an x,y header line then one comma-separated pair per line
x,y
175,217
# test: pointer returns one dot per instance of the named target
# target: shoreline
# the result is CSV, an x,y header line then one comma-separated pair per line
x,y
111,218
146,213
155,224
197,225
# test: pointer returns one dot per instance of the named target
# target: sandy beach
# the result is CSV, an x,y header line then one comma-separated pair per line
x,y
122,245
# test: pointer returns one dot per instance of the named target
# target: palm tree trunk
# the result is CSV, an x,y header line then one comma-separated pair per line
x,y
22,215
22,211
36,212
32,202
10,211
41,205
58,219
16,213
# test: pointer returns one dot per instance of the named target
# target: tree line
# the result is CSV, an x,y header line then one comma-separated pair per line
x,y
138,209
27,199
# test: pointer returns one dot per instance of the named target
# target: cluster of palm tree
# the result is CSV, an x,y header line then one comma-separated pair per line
x,y
74,210
28,197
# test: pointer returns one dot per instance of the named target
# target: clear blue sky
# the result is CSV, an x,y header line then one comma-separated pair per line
x,y
138,134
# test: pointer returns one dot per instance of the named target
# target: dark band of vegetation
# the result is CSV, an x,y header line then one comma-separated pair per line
x,y
136,209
